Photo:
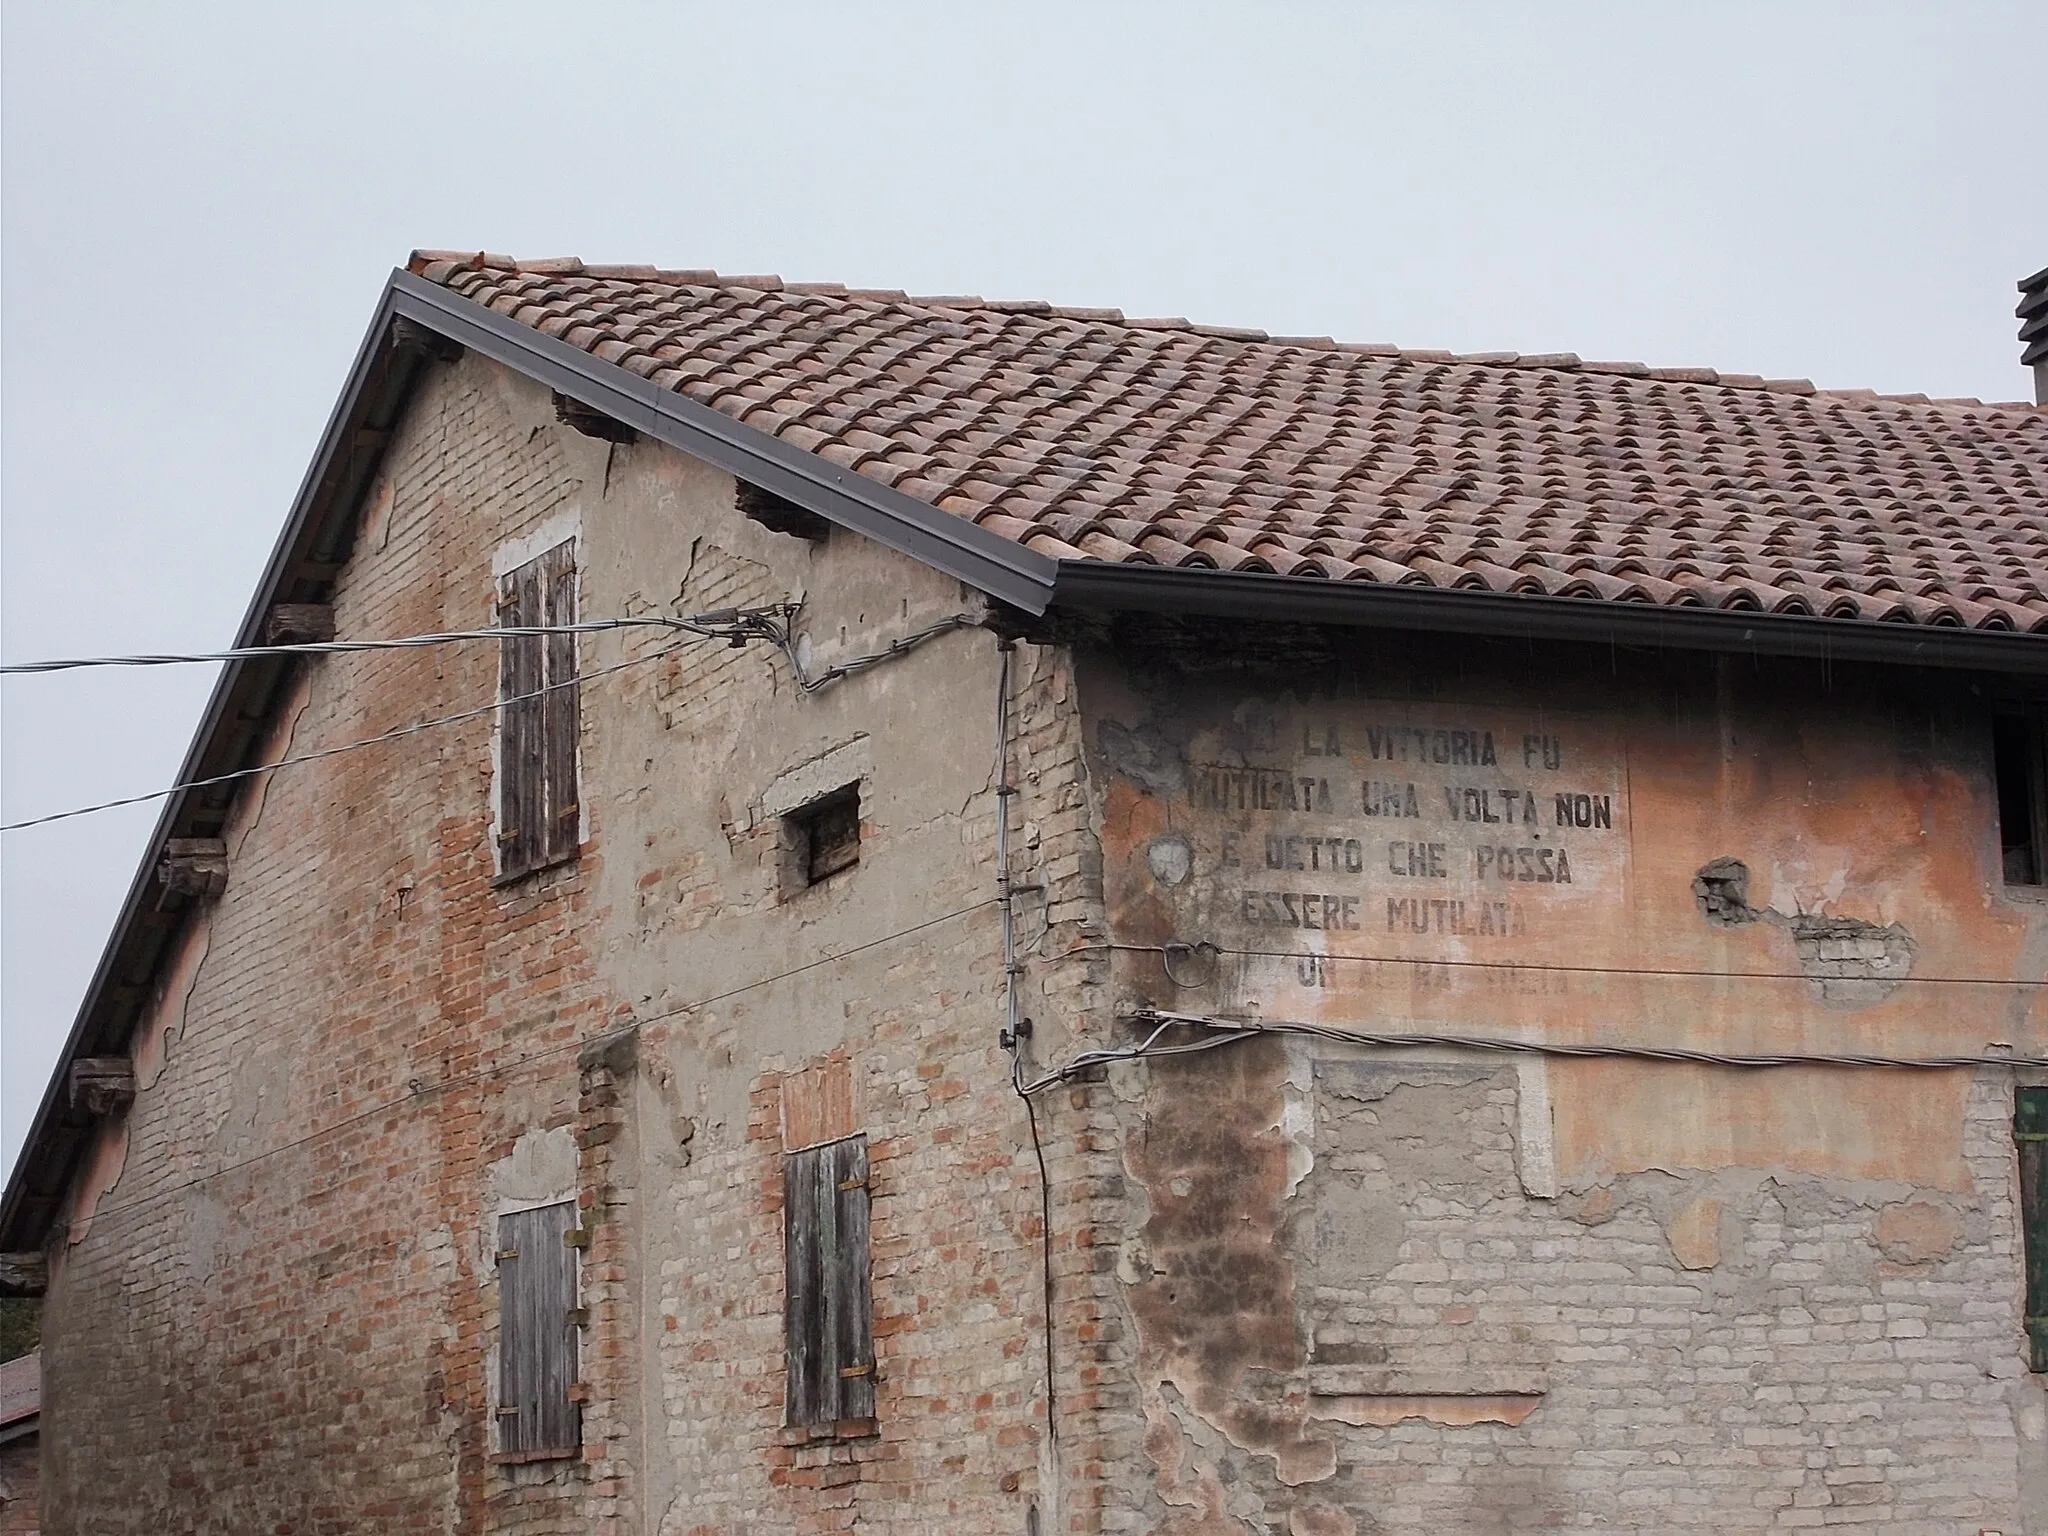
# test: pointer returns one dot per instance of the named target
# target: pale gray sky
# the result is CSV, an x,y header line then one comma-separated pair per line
x,y
200,202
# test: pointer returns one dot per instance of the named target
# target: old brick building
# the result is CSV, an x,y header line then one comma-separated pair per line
x,y
1049,922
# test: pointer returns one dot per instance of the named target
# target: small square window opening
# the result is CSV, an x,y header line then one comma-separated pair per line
x,y
822,838
2020,759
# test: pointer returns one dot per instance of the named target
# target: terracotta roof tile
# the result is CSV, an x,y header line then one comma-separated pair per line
x,y
1089,436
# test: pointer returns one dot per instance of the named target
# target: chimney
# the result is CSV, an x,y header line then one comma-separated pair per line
x,y
2033,313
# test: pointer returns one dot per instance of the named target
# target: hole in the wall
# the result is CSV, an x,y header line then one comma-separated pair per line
x,y
1722,890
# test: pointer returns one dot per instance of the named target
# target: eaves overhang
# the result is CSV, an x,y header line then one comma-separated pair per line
x,y
1000,567
309,555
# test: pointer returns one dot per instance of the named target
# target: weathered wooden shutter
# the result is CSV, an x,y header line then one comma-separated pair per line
x,y
561,712
2030,1130
537,1333
828,1321
519,683
539,807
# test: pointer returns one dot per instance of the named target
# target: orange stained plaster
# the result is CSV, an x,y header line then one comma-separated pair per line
x,y
1619,1117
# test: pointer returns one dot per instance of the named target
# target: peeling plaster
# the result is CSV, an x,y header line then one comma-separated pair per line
x,y
1459,1410
1216,1315
1535,1132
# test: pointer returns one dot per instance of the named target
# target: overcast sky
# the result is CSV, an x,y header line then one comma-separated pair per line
x,y
201,201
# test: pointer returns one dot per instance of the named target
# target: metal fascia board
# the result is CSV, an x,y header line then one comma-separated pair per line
x,y
986,561
137,906
1312,600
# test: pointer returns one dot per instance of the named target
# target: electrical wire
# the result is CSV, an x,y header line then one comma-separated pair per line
x,y
780,631
348,746
744,625
735,626
486,1074
1015,1027
1231,1031
1167,952
720,625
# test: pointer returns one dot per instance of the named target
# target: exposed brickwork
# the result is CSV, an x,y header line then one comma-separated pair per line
x,y
365,1031
297,1226
1449,1289
275,1305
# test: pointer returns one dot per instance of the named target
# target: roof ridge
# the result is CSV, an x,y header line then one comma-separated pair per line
x,y
1561,362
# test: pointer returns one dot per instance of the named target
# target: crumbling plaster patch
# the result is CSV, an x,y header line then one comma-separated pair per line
x,y
1850,962
1216,1309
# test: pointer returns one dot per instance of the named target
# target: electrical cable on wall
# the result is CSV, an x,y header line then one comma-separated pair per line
x,y
1016,1028
1223,1032
1172,955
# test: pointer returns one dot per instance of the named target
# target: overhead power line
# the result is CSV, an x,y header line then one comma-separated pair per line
x,y
348,746
723,624
735,626
421,1091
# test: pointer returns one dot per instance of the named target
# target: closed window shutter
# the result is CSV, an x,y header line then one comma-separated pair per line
x,y
561,713
828,1322
536,1333
519,724
539,807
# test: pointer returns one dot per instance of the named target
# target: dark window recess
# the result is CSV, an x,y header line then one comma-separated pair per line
x,y
2021,761
825,836
537,1417
2030,1131
828,1328
538,812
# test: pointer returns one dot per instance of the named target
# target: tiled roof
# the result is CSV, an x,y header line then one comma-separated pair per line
x,y
1087,435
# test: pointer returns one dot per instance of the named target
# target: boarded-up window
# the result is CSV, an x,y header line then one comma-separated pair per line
x,y
828,1327
537,1334
2030,1130
538,809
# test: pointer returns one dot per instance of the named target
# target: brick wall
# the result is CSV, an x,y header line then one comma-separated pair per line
x,y
1433,1289
276,1305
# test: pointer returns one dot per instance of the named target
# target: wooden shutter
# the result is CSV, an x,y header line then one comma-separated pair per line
x,y
2030,1131
828,1317
519,724
539,807
561,712
536,1333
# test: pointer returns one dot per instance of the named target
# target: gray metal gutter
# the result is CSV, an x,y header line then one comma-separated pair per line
x,y
987,561
1100,586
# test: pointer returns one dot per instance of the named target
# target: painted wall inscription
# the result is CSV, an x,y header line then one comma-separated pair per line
x,y
1399,831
